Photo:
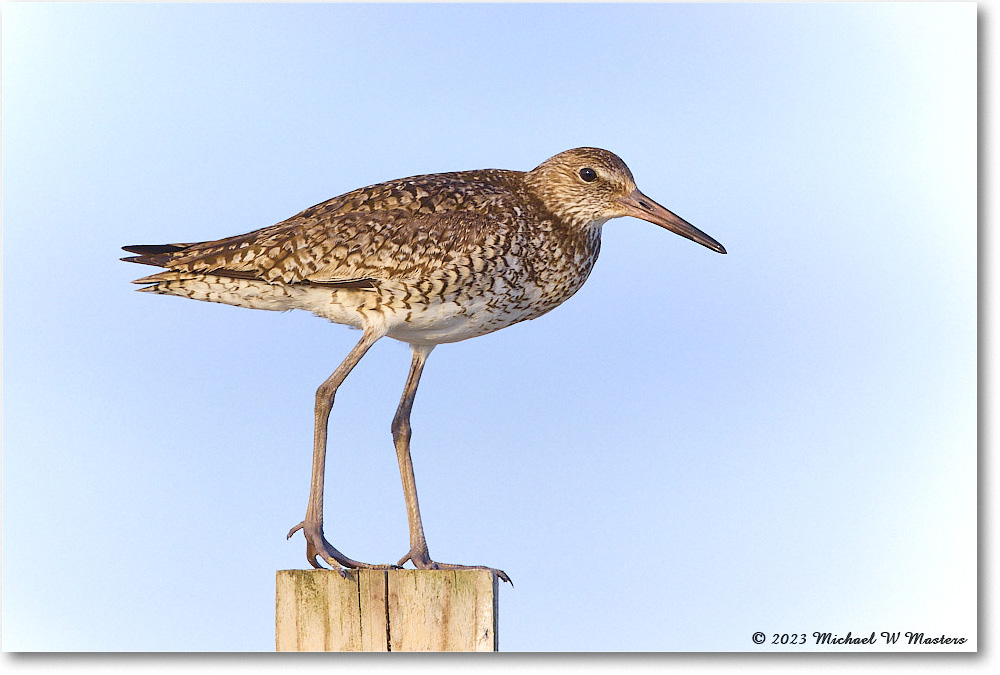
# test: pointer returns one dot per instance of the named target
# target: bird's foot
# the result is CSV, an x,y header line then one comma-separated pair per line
x,y
318,547
422,561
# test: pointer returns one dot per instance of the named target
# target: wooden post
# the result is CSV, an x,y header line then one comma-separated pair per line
x,y
386,610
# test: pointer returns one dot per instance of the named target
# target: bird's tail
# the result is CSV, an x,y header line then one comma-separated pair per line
x,y
154,254
230,287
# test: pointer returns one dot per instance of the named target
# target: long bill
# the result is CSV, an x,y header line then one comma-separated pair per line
x,y
641,206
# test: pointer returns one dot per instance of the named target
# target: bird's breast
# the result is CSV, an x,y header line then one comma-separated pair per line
x,y
502,283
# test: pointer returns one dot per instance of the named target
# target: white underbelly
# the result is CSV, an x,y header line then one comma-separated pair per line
x,y
449,322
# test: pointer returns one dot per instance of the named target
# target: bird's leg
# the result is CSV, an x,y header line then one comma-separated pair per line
x,y
312,526
401,432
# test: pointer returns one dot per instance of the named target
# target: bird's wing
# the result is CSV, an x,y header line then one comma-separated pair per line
x,y
401,229
356,248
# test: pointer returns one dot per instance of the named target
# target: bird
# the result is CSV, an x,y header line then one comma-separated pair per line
x,y
425,260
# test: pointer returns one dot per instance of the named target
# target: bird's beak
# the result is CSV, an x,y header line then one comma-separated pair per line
x,y
641,206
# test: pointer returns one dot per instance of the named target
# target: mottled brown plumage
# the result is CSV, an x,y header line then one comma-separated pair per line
x,y
426,260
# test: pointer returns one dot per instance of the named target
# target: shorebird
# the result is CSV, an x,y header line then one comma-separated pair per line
x,y
425,260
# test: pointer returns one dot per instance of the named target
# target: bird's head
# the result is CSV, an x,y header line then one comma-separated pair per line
x,y
589,186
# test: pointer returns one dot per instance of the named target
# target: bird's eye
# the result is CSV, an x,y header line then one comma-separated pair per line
x,y
588,174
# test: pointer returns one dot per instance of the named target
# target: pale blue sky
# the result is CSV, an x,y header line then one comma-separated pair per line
x,y
694,448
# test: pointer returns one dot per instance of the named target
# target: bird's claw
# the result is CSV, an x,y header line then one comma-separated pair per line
x,y
318,547
422,561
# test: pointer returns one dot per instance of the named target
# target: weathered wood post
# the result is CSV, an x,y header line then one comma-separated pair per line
x,y
386,610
